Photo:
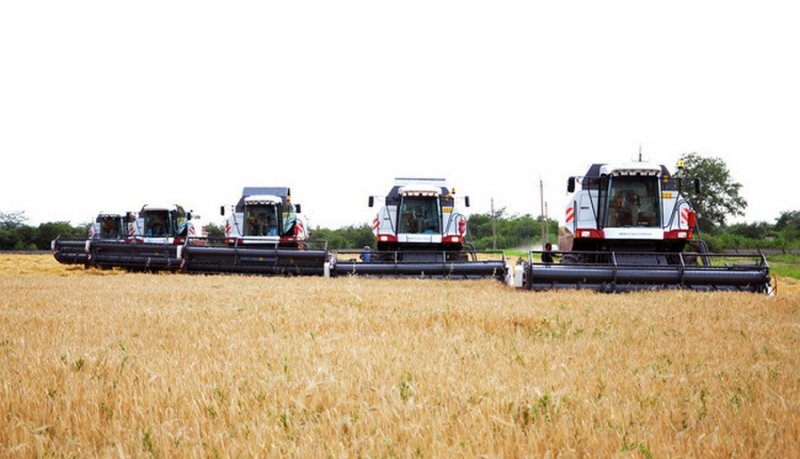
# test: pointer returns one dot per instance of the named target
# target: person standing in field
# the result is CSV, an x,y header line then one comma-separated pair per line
x,y
366,255
547,254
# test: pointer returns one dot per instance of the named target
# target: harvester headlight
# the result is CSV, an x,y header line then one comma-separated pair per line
x,y
586,234
384,238
682,234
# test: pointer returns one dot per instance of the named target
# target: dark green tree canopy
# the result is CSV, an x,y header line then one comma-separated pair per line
x,y
513,231
789,224
719,195
788,219
215,231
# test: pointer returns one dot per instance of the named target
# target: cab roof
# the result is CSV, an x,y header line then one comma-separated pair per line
x,y
282,193
591,180
405,186
420,190
160,206
263,198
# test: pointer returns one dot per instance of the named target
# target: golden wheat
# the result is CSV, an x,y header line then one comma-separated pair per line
x,y
108,363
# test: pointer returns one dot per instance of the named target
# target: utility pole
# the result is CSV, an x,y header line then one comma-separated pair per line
x,y
546,217
543,222
494,227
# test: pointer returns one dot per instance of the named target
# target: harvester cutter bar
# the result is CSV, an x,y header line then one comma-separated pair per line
x,y
408,264
71,252
135,256
254,260
626,271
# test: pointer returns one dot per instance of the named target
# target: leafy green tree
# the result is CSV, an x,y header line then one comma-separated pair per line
x,y
25,238
46,232
755,230
719,197
512,231
788,224
788,219
215,231
12,220
347,237
8,238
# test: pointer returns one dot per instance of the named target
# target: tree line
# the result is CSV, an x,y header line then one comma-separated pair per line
x,y
512,231
16,235
783,234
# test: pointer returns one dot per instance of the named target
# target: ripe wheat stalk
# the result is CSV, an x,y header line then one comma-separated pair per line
x,y
109,363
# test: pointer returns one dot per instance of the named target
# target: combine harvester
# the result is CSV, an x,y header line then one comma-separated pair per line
x,y
265,233
154,241
106,226
419,233
628,228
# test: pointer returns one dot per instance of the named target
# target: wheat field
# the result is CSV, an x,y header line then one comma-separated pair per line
x,y
106,363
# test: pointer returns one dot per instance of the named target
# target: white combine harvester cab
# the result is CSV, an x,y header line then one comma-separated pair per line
x,y
626,207
165,224
109,226
265,216
420,214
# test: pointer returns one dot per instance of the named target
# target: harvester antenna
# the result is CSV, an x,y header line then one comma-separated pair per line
x,y
640,152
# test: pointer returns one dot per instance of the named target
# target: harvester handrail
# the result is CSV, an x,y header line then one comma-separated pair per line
x,y
614,269
675,208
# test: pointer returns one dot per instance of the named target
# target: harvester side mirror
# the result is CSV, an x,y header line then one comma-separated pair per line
x,y
571,185
129,218
697,186
297,209
222,210
189,216
371,201
466,201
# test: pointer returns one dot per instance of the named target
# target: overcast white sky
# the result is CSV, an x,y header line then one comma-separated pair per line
x,y
110,105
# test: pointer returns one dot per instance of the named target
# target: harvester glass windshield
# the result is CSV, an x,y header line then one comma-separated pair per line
x,y
634,202
289,218
157,223
165,223
110,227
261,220
420,215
